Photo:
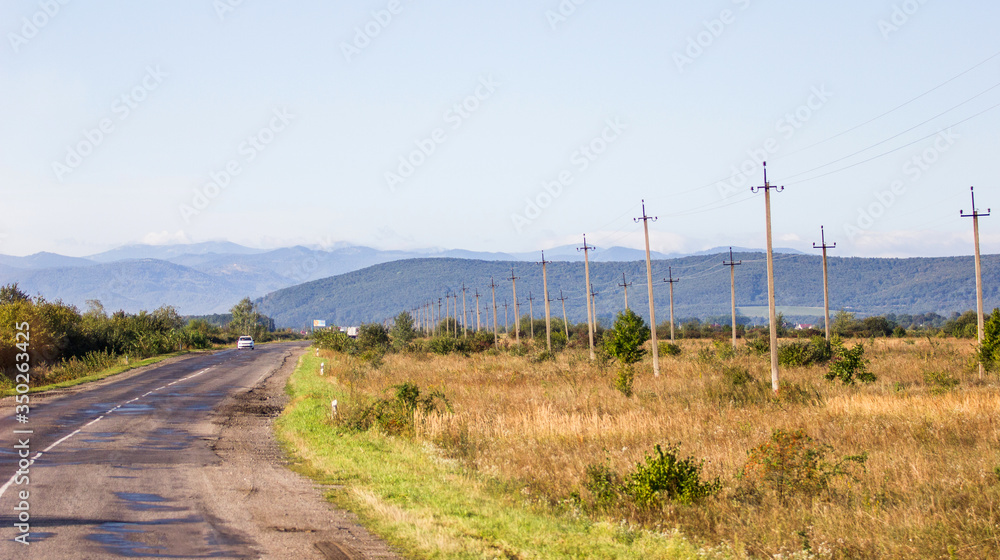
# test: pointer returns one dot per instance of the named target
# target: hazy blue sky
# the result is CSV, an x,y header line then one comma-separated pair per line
x,y
276,123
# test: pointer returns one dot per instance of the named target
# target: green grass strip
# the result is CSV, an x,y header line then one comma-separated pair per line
x,y
429,507
96,376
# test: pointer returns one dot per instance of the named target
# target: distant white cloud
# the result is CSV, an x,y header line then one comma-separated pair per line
x,y
165,238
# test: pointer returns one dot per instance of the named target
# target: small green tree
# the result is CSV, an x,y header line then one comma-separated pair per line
x,y
402,330
989,350
624,344
849,363
624,341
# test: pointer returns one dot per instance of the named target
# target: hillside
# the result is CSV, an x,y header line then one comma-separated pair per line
x,y
863,285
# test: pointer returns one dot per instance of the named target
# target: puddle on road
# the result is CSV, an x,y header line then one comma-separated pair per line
x,y
138,501
116,538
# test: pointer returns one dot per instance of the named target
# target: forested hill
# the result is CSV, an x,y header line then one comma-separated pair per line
x,y
867,286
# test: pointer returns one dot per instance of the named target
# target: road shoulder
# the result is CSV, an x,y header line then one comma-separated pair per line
x,y
282,512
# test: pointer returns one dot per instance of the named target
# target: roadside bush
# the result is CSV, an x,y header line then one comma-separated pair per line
x,y
989,350
333,339
940,381
373,337
394,415
759,344
737,387
669,349
816,351
665,476
481,341
791,463
849,364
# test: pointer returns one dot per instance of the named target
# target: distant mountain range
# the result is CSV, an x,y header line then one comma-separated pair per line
x,y
210,277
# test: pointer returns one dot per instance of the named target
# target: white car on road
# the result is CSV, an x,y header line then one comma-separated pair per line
x,y
245,342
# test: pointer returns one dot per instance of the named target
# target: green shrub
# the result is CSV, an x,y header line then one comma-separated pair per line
x,y
759,344
849,364
792,463
989,350
604,485
816,351
373,337
737,387
670,349
625,379
940,381
624,341
333,339
394,415
664,476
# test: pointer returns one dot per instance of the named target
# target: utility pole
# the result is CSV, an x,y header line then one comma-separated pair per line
x,y
979,273
732,264
593,300
548,316
477,310
531,314
649,282
517,316
826,285
465,317
773,318
493,286
506,324
625,285
562,298
671,281
590,317
439,316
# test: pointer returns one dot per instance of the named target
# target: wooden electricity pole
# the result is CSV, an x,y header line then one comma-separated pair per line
x,y
649,282
773,318
732,264
493,286
548,317
562,298
625,285
517,316
506,322
438,321
586,269
826,285
531,314
671,281
465,316
477,310
979,273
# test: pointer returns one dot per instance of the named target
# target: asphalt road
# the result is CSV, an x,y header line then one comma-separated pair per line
x,y
176,461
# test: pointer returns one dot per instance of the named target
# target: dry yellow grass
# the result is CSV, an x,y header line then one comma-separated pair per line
x,y
930,489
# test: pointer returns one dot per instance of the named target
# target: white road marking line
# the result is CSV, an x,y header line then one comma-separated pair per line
x,y
31,462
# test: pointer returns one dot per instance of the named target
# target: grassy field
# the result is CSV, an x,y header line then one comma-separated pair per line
x,y
510,471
